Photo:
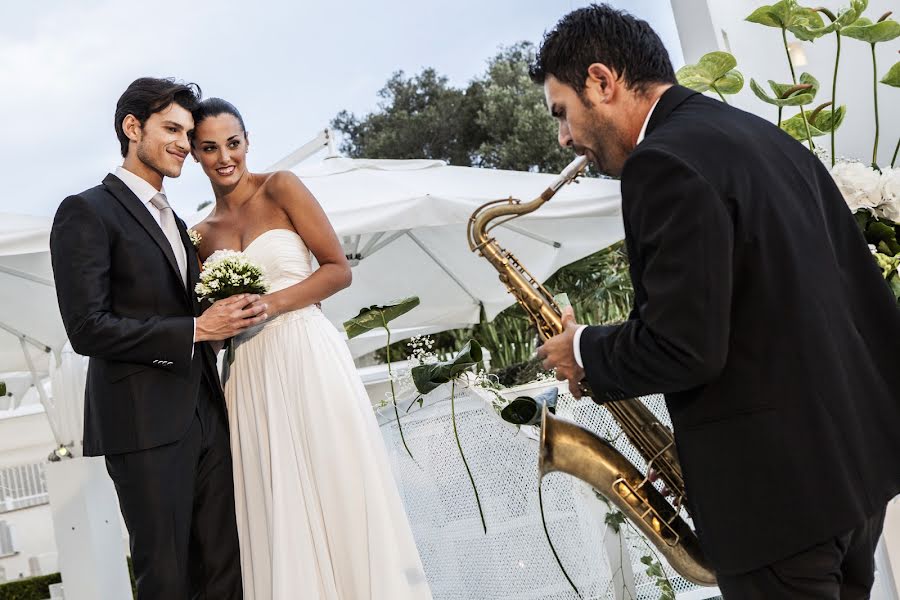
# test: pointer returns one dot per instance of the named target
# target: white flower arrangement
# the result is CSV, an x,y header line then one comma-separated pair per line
x,y
195,237
865,188
229,272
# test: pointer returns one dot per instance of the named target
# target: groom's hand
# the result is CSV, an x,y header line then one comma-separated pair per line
x,y
227,318
559,353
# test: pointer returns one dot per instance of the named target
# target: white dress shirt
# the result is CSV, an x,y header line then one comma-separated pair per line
x,y
145,192
576,342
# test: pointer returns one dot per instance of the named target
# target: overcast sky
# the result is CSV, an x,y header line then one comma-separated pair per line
x,y
289,66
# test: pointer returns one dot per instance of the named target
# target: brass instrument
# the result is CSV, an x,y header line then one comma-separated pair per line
x,y
572,449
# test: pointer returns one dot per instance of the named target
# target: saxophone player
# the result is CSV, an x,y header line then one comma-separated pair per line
x,y
759,313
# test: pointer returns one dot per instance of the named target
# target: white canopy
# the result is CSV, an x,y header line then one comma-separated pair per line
x,y
403,223
29,316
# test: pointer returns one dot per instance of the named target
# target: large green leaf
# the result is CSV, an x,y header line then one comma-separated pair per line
x,y
764,15
430,376
825,119
526,410
810,80
873,33
731,82
805,23
796,128
893,76
376,316
797,98
712,69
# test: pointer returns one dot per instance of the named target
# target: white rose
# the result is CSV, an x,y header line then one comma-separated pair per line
x,y
860,184
890,195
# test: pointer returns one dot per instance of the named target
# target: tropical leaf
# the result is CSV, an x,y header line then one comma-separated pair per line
x,y
730,83
764,15
796,128
810,80
804,23
525,410
430,376
712,69
826,119
374,317
873,33
797,98
893,76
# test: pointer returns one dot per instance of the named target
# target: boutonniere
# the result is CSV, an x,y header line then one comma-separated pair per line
x,y
195,237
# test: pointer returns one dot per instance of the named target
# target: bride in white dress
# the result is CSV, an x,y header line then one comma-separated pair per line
x,y
318,512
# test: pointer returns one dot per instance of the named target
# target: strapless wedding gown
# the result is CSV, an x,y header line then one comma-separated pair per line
x,y
318,512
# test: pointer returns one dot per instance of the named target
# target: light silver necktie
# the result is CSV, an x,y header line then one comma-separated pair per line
x,y
170,228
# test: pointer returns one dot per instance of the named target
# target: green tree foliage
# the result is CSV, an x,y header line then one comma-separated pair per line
x,y
499,120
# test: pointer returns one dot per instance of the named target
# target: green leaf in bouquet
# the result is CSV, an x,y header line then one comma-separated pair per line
x,y
894,282
374,317
873,33
710,71
430,376
2,388
893,76
825,119
863,218
525,410
796,128
783,94
883,236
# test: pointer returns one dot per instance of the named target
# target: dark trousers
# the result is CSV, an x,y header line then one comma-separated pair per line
x,y
178,505
842,568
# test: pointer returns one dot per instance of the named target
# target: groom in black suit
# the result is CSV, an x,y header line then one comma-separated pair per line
x,y
759,312
125,270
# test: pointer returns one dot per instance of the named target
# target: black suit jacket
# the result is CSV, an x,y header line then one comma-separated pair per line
x,y
124,305
760,313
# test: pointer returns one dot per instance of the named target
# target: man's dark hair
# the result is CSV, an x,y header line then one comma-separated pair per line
x,y
213,107
149,95
601,34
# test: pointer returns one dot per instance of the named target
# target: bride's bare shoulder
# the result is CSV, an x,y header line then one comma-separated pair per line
x,y
284,186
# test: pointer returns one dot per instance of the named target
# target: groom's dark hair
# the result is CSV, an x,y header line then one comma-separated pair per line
x,y
149,95
601,34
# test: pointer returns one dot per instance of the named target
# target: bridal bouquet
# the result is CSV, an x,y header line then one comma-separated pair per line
x,y
226,273
229,272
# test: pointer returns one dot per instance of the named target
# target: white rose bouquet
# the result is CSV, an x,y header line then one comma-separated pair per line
x,y
226,273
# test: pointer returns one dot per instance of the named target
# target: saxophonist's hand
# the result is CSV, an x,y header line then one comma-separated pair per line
x,y
559,353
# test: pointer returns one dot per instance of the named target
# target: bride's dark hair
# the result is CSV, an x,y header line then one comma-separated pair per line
x,y
213,107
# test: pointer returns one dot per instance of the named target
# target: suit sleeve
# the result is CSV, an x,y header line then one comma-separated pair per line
x,y
683,235
80,255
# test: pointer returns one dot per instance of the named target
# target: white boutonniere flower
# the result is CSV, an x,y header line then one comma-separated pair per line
x,y
195,237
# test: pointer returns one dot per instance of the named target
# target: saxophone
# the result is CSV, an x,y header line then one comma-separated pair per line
x,y
572,449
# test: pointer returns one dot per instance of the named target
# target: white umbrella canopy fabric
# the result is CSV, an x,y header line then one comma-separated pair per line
x,y
403,223
28,308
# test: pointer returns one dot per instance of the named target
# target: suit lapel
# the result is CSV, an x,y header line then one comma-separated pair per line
x,y
137,209
193,264
669,101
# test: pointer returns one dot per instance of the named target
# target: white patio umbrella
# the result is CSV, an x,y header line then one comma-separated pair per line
x,y
403,225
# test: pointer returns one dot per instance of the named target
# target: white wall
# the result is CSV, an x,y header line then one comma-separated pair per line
x,y
33,536
760,54
25,439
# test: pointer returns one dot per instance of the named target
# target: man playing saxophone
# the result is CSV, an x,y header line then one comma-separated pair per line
x,y
758,312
